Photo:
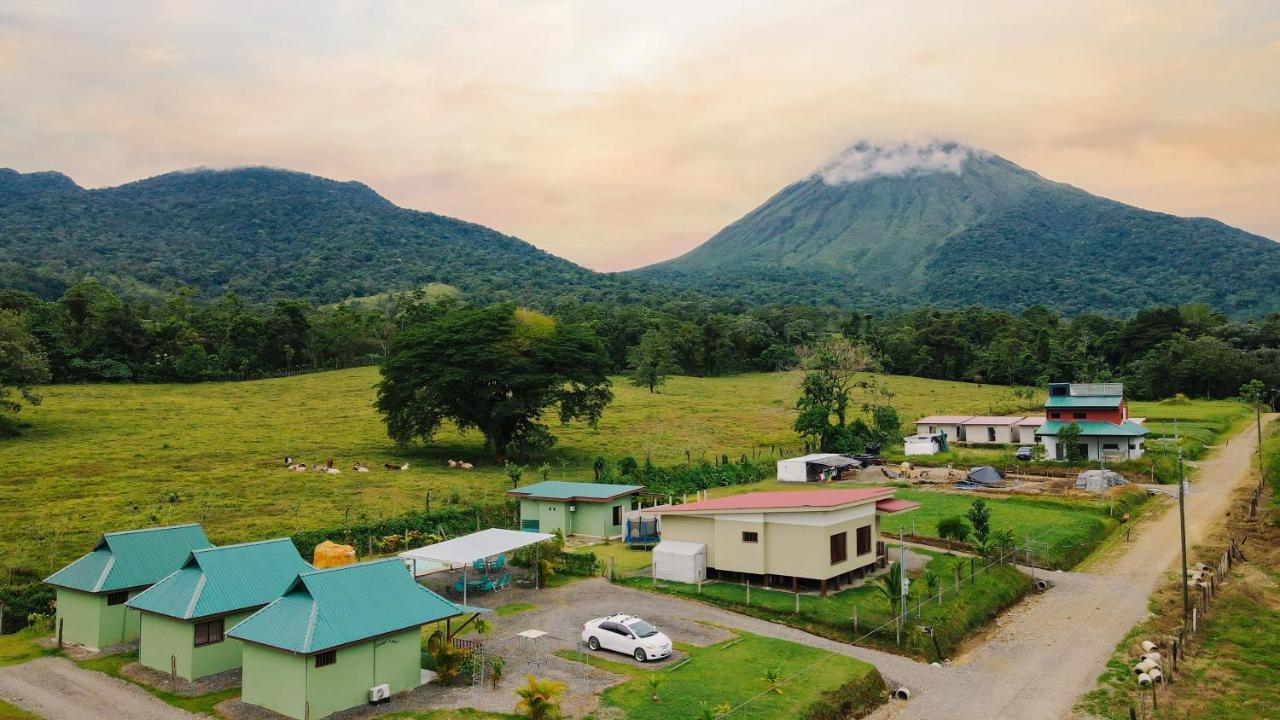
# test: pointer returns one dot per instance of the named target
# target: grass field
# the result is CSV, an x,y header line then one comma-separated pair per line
x,y
20,647
106,457
727,674
11,712
963,609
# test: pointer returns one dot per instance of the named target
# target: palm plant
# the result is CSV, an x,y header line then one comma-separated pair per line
x,y
540,698
890,585
1004,541
495,671
773,676
931,581
447,658
654,680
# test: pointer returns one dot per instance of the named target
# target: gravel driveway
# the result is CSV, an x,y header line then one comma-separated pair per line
x,y
58,689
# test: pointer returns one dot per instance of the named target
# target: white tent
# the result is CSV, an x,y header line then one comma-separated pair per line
x,y
684,562
462,551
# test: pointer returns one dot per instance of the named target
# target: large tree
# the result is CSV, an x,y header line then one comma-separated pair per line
x,y
22,364
496,369
651,360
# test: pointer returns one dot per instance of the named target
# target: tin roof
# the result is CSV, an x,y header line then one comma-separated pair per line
x,y
574,491
325,609
1084,401
131,559
893,506
993,420
783,500
944,419
1128,428
220,580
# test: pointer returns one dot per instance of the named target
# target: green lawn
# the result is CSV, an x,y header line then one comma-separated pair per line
x,y
106,457
962,611
729,673
625,560
13,712
202,704
464,714
20,647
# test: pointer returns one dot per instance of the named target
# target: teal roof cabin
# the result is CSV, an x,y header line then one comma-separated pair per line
x,y
185,616
334,635
573,508
93,590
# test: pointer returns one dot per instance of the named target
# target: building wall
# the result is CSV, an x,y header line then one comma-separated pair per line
x,y
593,519
979,434
87,620
395,660
275,680
1111,415
1097,447
734,555
166,639
691,529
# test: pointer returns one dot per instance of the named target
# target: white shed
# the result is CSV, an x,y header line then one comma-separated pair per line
x,y
922,445
797,469
680,561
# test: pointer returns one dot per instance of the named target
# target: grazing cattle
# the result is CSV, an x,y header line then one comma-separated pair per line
x,y
300,467
392,466
288,461
333,471
453,463
465,465
360,468
329,465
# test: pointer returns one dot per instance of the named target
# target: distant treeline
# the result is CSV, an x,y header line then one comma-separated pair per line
x,y
91,334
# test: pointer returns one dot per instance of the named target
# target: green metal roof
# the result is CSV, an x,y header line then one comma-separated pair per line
x,y
131,559
1083,401
343,605
585,492
220,580
1128,428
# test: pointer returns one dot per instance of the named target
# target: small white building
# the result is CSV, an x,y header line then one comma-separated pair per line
x,y
949,425
990,429
922,445
815,467
680,561
1024,431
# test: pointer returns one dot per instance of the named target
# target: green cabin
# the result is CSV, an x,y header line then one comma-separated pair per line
x,y
186,615
335,636
92,592
573,508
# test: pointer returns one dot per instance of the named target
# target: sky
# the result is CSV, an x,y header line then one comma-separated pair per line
x,y
619,134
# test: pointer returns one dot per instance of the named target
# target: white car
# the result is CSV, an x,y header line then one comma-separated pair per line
x,y
627,635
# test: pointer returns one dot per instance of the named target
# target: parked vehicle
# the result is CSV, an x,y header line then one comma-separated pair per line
x,y
627,635
1023,454
867,459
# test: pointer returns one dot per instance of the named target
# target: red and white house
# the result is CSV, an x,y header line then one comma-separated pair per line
x,y
1101,413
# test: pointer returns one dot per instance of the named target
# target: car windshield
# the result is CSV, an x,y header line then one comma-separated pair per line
x,y
642,628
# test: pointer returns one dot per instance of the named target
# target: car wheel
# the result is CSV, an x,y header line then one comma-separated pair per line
x,y
593,643
640,656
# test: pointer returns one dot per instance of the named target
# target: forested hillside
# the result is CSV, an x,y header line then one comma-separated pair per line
x,y
263,234
948,226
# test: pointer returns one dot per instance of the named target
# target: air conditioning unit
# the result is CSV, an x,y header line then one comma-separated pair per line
x,y
379,694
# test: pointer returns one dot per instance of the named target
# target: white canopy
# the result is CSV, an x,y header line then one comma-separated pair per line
x,y
476,546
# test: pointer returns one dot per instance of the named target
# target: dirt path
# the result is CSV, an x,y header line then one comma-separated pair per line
x,y
1051,649
57,689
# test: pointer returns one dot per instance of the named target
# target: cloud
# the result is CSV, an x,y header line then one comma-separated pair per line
x,y
864,161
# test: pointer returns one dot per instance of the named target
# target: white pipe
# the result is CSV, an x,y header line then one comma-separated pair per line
x,y
1144,680
902,693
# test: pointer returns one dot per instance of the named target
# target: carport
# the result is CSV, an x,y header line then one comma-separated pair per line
x,y
473,550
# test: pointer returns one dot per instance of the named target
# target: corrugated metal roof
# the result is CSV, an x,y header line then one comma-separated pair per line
x,y
1091,401
131,559
220,580
944,419
994,420
585,492
782,500
893,506
1128,428
343,605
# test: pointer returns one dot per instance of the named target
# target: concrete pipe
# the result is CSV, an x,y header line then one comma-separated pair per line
x,y
902,693
1042,585
1144,680
1148,646
1152,657
1155,675
1144,667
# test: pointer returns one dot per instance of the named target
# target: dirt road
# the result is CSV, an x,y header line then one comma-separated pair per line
x,y
57,689
1051,649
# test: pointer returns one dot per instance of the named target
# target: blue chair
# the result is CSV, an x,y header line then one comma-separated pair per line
x,y
504,581
478,564
487,586
460,586
499,562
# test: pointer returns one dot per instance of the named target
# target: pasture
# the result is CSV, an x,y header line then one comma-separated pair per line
x,y
105,457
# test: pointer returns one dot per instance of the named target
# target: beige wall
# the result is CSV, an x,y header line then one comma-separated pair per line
x,y
791,543
977,434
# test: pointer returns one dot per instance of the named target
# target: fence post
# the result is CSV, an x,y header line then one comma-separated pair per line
x,y
748,581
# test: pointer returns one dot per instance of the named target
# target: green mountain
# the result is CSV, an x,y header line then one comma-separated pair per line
x,y
264,234
946,225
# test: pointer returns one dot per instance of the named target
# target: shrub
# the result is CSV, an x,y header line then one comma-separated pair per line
x,y
953,528
854,699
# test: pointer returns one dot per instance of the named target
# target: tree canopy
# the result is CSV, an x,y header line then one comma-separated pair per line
x,y
495,369
22,364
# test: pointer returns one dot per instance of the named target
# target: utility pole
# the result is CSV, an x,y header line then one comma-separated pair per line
x,y
1182,522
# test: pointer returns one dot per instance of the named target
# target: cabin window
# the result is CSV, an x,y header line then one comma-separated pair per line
x,y
991,434
617,514
839,548
208,633
1079,415
750,536
1055,415
326,658
118,598
1110,446
933,430
864,539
